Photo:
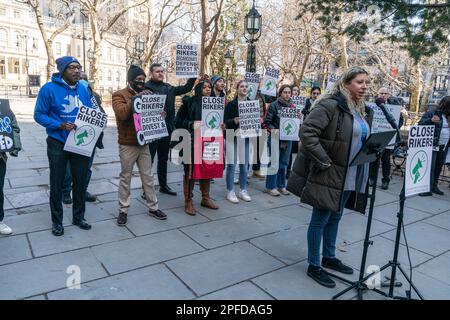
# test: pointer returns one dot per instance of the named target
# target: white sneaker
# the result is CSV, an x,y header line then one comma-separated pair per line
x,y
274,192
4,229
284,192
236,180
244,195
231,196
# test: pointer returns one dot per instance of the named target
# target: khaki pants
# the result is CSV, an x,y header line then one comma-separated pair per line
x,y
129,155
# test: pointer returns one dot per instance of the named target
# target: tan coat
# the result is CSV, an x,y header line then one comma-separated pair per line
x,y
121,103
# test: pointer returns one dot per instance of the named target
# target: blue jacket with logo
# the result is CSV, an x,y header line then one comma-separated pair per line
x,y
57,103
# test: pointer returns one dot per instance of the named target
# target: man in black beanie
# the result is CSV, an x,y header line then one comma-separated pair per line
x,y
162,146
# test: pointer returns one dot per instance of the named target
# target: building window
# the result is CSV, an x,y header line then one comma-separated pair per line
x,y
3,38
17,39
17,15
109,75
3,11
69,50
110,58
100,75
58,48
35,43
441,83
118,55
14,65
2,67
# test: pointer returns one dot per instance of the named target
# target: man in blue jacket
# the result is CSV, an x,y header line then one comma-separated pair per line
x,y
56,107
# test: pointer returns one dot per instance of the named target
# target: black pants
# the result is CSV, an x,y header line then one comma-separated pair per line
x,y
385,166
79,165
2,182
162,147
436,165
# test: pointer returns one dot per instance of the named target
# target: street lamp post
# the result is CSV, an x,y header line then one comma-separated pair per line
x,y
139,48
252,33
228,58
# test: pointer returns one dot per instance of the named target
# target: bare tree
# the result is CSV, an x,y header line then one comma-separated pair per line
x,y
103,14
63,15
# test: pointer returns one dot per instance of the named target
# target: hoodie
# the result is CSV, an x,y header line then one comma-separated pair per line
x,y
57,103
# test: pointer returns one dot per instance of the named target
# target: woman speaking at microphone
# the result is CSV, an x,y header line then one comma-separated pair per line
x,y
330,137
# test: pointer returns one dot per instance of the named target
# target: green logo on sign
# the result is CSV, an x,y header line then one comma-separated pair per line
x,y
270,84
250,91
212,120
289,127
419,165
84,135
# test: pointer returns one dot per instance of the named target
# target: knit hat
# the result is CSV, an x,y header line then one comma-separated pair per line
x,y
134,72
63,62
214,79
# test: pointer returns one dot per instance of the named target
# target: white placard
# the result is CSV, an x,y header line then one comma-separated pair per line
x,y
211,151
269,84
418,161
252,80
90,124
332,80
186,63
300,104
249,119
212,116
380,123
289,124
148,122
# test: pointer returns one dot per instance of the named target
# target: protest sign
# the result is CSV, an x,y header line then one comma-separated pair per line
x,y
89,125
300,103
249,119
289,124
252,80
148,122
186,64
6,132
332,80
212,116
418,161
270,82
380,123
211,151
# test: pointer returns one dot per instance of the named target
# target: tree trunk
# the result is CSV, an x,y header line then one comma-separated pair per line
x,y
97,48
417,88
204,11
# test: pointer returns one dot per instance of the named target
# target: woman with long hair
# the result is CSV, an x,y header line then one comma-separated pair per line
x,y
276,183
234,146
189,117
331,136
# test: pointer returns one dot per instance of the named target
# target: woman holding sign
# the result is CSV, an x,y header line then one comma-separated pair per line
x,y
189,117
331,136
232,123
276,183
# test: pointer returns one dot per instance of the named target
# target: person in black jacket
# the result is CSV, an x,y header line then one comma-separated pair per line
x,y
188,117
162,146
440,118
276,183
315,93
384,97
231,120
218,84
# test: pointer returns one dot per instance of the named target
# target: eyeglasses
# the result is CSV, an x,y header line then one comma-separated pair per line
x,y
75,67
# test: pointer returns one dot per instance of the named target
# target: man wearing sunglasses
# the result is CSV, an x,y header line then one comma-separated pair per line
x,y
56,107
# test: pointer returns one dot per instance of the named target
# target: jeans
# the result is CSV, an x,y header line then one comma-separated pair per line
x,y
2,182
243,167
385,166
278,180
67,188
162,147
324,223
58,159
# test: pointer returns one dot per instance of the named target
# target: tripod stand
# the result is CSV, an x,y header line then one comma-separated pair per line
x,y
360,284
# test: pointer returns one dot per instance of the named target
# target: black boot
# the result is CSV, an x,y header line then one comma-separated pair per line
x,y
321,276
436,190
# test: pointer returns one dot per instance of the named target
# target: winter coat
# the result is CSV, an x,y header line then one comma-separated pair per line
x,y
57,103
121,103
171,92
426,120
326,136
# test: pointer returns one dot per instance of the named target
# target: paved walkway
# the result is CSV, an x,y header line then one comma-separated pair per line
x,y
253,250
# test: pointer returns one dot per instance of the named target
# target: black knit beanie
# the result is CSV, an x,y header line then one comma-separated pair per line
x,y
134,72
